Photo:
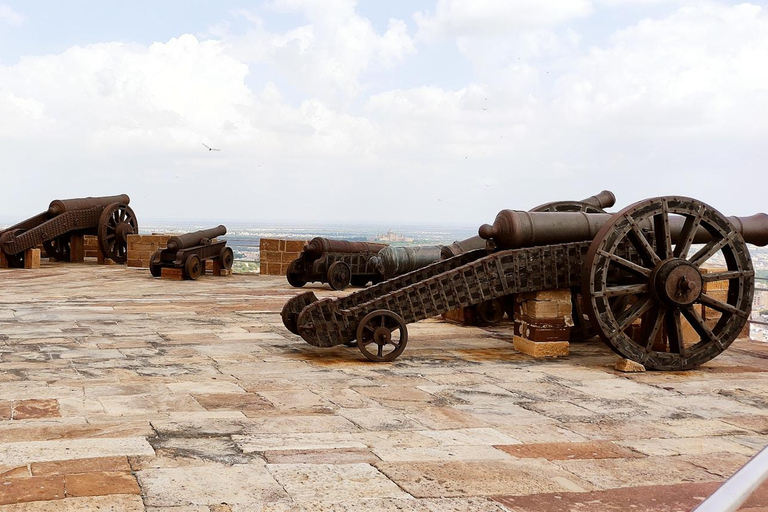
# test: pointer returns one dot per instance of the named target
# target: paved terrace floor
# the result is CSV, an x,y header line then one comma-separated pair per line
x,y
122,392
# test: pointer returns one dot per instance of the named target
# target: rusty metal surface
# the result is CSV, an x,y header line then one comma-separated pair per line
x,y
202,237
614,250
63,218
394,261
336,262
190,251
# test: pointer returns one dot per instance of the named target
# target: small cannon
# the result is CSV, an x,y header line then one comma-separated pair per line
x,y
642,273
395,261
110,218
190,251
336,262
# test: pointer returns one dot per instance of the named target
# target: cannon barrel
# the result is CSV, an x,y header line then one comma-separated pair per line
x,y
59,206
318,246
517,229
604,199
392,261
188,240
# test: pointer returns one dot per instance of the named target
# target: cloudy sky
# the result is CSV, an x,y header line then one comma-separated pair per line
x,y
404,111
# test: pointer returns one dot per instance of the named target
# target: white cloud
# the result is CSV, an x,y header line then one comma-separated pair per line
x,y
668,105
456,18
10,16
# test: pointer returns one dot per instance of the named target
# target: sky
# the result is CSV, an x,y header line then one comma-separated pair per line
x,y
439,112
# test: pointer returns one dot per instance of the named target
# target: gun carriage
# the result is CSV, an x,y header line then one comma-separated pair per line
x,y
336,262
394,261
110,218
190,251
640,272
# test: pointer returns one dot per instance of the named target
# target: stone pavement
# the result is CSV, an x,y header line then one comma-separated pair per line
x,y
122,392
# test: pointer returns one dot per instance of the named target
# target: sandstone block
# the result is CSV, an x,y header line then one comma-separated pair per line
x,y
628,366
76,249
295,245
269,244
463,316
171,273
32,258
541,349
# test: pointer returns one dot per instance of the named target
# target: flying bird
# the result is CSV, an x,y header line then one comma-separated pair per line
x,y
210,148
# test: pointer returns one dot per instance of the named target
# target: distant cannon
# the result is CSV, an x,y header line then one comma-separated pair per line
x,y
641,272
336,262
190,251
110,218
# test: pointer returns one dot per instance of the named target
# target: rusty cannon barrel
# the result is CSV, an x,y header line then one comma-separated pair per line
x,y
319,246
518,229
202,237
394,261
59,206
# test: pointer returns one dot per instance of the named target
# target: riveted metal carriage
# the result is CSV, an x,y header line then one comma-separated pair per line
x,y
110,218
641,272
336,262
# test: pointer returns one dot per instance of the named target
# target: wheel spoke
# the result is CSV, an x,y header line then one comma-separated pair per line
x,y
651,330
701,327
634,267
381,350
722,276
688,233
661,232
721,306
627,289
710,250
641,243
633,313
674,331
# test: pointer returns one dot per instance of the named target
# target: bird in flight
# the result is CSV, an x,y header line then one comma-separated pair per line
x,y
210,148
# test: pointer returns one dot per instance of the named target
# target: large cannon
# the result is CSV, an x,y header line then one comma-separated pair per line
x,y
190,251
394,261
110,218
642,273
336,262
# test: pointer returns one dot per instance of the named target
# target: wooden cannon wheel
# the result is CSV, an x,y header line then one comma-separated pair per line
x,y
386,331
226,258
14,260
59,247
193,267
295,278
339,275
117,221
490,312
654,309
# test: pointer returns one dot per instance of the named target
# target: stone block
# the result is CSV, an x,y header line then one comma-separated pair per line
x,y
295,245
101,484
24,490
546,305
282,246
76,248
463,316
171,273
543,332
628,366
269,244
32,258
541,349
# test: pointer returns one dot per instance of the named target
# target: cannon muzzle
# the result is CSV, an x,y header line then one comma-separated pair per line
x,y
517,229
319,246
59,206
604,199
188,240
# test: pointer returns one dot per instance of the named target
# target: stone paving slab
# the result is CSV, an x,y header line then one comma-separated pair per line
x,y
122,392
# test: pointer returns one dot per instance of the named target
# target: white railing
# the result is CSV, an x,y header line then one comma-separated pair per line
x,y
735,491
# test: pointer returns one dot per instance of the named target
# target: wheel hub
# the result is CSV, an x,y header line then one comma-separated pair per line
x,y
382,336
677,282
123,230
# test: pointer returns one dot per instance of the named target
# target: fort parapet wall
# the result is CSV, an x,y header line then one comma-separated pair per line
x,y
277,254
142,247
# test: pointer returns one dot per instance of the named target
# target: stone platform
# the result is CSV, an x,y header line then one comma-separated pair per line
x,y
123,392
